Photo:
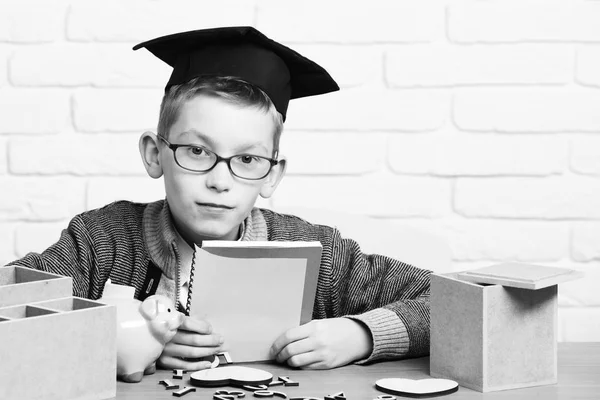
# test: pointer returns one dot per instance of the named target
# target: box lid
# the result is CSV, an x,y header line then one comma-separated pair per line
x,y
524,276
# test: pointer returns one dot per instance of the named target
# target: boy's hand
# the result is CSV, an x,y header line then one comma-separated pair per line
x,y
194,339
323,344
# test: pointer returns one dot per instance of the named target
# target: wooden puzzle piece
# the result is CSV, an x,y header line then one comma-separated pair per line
x,y
416,388
228,394
217,359
288,382
255,388
304,398
385,397
231,375
337,396
226,356
269,393
215,362
276,383
184,391
168,384
177,374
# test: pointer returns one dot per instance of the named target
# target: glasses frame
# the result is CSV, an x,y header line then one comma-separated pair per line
x,y
174,147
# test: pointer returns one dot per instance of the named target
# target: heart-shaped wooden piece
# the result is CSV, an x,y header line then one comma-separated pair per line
x,y
416,388
233,375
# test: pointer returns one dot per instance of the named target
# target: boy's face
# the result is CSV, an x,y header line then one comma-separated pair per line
x,y
212,205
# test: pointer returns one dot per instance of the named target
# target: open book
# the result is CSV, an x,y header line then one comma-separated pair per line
x,y
252,292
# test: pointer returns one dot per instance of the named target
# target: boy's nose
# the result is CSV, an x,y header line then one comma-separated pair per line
x,y
220,177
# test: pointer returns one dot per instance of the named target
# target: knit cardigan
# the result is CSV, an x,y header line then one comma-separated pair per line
x,y
124,240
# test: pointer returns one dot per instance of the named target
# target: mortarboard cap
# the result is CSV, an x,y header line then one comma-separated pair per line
x,y
245,53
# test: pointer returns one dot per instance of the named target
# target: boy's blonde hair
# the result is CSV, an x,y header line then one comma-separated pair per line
x,y
232,89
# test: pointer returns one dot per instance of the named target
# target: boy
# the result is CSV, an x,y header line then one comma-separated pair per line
x,y
217,148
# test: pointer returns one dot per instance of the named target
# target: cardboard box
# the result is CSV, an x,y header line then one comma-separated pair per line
x,y
490,337
20,285
59,348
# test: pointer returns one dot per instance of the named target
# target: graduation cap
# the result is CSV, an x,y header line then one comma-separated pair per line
x,y
245,53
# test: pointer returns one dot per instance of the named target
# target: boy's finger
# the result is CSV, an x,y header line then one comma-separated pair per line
x,y
295,348
183,351
195,339
196,325
169,362
303,360
290,336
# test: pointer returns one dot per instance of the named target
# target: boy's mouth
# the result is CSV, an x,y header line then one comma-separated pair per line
x,y
216,206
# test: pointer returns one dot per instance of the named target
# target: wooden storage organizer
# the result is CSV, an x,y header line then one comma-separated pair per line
x,y
491,337
53,345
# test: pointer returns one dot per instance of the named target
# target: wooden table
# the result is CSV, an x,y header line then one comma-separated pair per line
x,y
578,378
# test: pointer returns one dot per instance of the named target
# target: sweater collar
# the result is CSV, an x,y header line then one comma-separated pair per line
x,y
161,239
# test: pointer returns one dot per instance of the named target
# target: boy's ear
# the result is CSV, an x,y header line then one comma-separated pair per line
x,y
149,151
273,179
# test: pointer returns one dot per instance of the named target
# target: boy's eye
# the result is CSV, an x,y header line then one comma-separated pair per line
x,y
197,150
247,159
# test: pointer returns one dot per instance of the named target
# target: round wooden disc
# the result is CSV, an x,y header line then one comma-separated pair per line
x,y
417,388
231,375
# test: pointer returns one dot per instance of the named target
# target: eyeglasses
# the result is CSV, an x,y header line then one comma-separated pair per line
x,y
200,159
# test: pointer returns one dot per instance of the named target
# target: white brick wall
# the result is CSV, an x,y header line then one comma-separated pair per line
x,y
34,111
570,197
4,53
524,21
350,110
585,155
588,62
23,22
565,109
447,65
478,120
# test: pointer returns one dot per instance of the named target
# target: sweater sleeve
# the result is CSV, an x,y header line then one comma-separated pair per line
x,y
73,255
389,297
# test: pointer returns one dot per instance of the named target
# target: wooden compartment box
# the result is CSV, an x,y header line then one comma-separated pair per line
x,y
19,285
62,348
491,337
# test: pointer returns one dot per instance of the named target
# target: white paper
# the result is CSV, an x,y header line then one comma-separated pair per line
x,y
250,301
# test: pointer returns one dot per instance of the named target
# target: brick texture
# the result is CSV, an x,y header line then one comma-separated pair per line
x,y
115,154
475,120
332,153
588,63
548,198
444,65
4,55
376,195
350,65
529,21
585,155
34,111
108,110
527,110
497,240
451,154
102,191
585,243
39,199
137,21
3,157
337,22
347,110
101,65
7,252
32,21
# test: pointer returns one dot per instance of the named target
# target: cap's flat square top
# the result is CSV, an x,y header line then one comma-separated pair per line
x,y
526,276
